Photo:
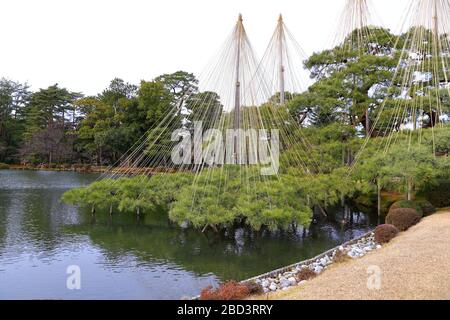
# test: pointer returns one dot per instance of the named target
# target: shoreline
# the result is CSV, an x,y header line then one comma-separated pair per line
x,y
287,277
58,168
308,261
410,268
88,169
302,264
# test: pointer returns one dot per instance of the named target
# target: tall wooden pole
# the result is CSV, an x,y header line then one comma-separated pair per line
x,y
436,34
362,4
435,20
437,46
237,97
280,48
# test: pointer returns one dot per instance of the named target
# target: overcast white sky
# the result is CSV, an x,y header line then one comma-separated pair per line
x,y
83,44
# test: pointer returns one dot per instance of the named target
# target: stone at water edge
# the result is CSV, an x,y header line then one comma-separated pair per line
x,y
325,261
273,286
265,283
292,281
318,269
285,283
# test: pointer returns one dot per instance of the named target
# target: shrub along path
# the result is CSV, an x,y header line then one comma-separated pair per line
x,y
415,265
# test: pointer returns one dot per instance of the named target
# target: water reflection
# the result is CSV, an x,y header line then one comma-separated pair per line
x,y
123,257
237,255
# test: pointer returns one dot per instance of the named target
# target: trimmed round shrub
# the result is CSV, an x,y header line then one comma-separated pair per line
x,y
385,233
427,208
407,204
438,195
231,290
403,218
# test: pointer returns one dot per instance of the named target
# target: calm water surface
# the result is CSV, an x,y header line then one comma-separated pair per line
x,y
126,258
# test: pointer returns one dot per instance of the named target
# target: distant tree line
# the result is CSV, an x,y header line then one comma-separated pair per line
x,y
353,93
55,125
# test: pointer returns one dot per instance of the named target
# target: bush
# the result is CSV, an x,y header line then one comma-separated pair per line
x,y
254,288
438,195
403,218
221,198
407,204
231,290
340,257
385,233
427,207
305,274
4,166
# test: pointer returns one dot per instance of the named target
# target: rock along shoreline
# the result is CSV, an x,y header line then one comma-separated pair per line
x,y
285,278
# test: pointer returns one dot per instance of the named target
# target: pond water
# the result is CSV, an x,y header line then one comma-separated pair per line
x,y
127,258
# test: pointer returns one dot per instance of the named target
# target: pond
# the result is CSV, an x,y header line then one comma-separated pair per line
x,y
128,258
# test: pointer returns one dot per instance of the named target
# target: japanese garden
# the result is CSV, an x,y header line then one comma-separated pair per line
x,y
361,153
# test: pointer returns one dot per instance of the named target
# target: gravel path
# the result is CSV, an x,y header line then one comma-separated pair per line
x,y
415,265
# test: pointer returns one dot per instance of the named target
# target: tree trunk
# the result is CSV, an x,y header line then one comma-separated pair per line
x,y
99,159
433,119
301,119
344,155
350,214
379,197
324,212
410,193
212,227
349,157
304,233
367,123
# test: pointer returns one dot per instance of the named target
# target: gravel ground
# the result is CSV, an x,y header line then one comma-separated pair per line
x,y
414,266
